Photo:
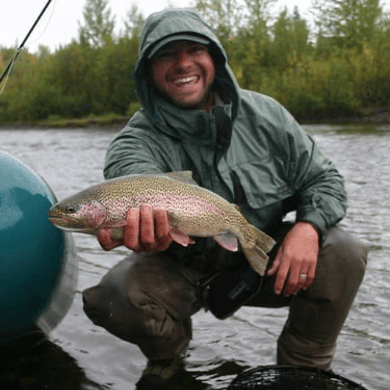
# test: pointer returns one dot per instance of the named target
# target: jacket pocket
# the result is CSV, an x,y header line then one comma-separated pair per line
x,y
260,184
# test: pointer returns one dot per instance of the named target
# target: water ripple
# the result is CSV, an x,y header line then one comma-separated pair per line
x,y
72,159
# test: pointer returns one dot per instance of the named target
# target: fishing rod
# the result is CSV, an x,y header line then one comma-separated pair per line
x,y
19,49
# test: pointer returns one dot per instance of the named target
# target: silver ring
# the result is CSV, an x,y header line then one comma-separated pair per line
x,y
303,276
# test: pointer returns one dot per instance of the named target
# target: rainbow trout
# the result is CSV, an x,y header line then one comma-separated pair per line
x,y
192,211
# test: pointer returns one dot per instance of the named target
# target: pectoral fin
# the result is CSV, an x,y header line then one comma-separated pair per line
x,y
181,237
227,241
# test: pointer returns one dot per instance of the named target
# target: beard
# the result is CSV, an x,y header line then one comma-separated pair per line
x,y
204,103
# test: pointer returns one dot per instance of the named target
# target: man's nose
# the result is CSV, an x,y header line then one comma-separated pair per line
x,y
183,59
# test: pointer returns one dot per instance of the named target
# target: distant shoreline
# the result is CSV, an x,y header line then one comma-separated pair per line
x,y
368,116
373,116
115,125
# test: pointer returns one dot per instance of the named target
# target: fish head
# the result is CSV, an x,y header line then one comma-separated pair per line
x,y
74,215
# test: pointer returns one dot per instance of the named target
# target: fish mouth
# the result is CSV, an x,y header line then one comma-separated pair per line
x,y
65,223
60,223
54,219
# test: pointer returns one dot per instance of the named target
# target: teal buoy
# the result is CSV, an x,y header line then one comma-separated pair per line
x,y
38,266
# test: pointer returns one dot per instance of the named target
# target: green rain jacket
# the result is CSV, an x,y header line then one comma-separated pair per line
x,y
249,150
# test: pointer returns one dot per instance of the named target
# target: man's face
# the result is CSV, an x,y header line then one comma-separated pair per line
x,y
184,72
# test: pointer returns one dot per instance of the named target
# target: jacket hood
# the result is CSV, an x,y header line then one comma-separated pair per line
x,y
159,27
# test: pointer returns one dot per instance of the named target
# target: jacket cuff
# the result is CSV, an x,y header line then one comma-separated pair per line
x,y
316,220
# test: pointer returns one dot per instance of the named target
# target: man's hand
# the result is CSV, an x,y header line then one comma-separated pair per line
x,y
145,231
296,261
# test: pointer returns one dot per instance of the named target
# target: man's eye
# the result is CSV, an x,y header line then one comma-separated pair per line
x,y
164,54
197,48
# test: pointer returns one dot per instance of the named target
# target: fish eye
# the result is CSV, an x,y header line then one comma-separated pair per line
x,y
70,209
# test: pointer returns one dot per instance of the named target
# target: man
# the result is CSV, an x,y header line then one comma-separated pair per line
x,y
248,149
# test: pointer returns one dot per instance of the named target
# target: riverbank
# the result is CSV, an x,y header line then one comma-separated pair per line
x,y
365,115
115,122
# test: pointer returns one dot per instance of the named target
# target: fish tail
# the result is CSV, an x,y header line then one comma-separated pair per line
x,y
256,253
263,240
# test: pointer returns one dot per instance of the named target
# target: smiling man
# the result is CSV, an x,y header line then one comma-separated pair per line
x,y
247,148
183,72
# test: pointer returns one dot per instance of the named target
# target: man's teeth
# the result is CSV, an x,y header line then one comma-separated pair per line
x,y
185,80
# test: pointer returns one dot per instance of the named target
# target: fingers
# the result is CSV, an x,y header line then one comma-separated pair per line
x,y
147,238
295,263
298,280
292,275
163,235
147,230
131,231
275,265
106,241
307,277
280,272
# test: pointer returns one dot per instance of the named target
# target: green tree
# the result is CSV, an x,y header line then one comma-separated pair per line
x,y
224,16
30,93
119,60
69,72
98,26
347,23
290,39
253,44
134,22
258,11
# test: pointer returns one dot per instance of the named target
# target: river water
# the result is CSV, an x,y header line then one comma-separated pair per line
x,y
72,159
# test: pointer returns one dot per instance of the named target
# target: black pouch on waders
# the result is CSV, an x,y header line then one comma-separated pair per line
x,y
226,291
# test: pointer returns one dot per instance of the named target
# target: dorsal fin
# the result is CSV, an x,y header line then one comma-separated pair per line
x,y
184,176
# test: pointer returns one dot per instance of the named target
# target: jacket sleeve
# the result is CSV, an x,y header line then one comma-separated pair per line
x,y
131,152
318,186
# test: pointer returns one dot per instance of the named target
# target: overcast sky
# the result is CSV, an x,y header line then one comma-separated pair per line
x,y
59,25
